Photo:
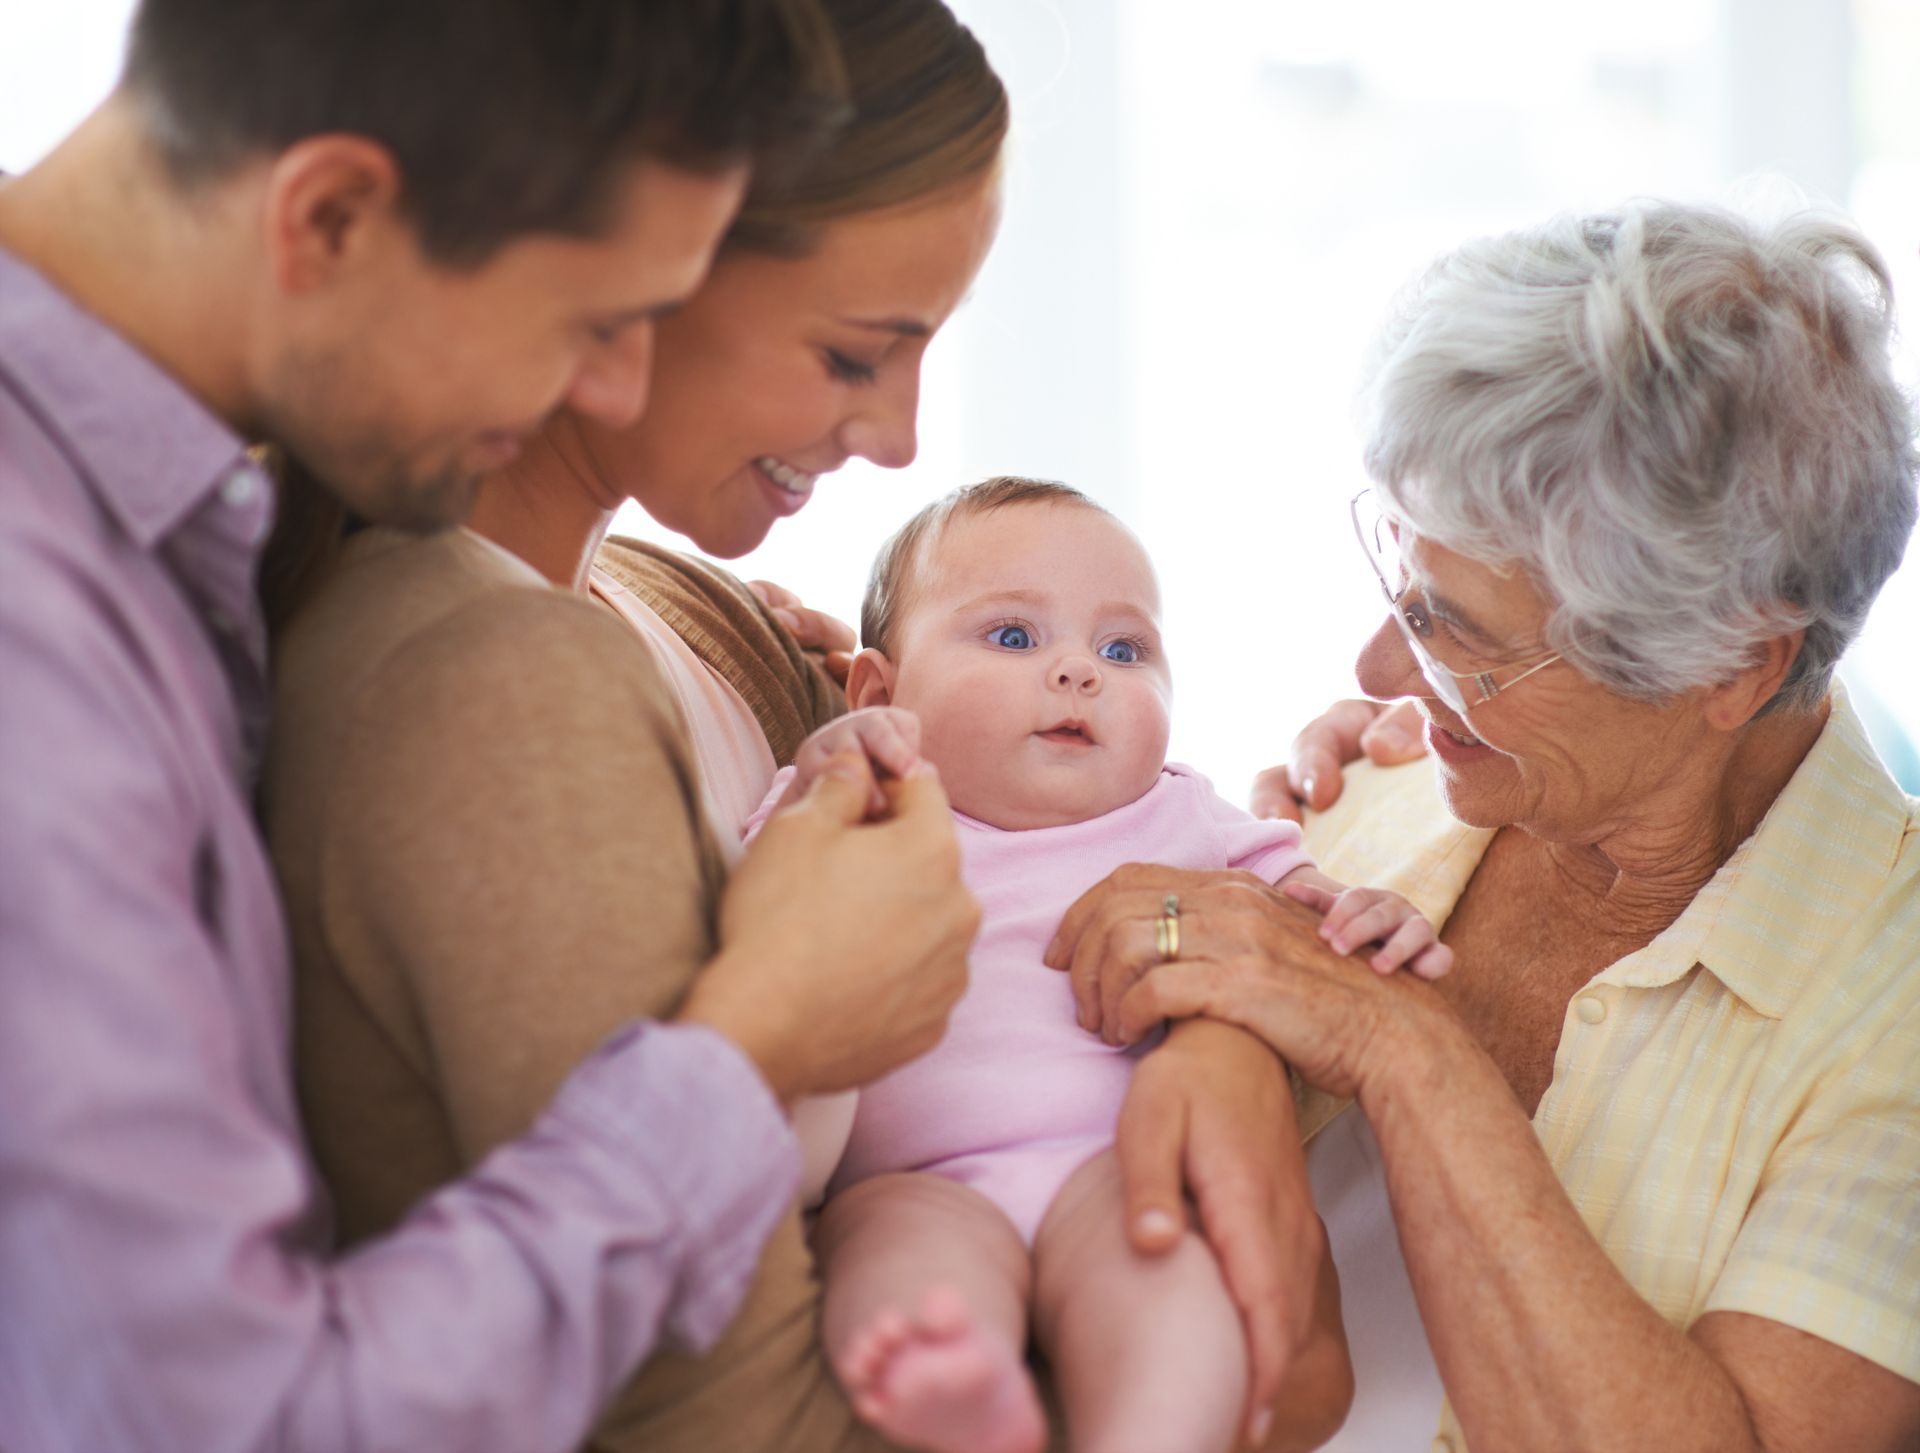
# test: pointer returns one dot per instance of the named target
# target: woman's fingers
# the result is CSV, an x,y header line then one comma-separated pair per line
x,y
1148,1144
1396,735
1240,1231
1172,991
1073,923
1315,769
1273,795
1104,962
1131,948
812,630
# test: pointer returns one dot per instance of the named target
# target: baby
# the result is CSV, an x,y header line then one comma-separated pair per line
x,y
1012,641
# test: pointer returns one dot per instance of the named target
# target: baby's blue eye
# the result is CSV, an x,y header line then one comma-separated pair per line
x,y
1124,652
1014,638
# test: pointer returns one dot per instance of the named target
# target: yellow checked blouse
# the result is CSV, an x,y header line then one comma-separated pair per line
x,y
1735,1108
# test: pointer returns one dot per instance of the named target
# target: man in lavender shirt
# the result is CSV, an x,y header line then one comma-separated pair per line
x,y
391,237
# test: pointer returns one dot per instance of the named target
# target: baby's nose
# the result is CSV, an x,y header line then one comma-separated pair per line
x,y
1077,672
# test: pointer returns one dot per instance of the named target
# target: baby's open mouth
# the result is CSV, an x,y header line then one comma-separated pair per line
x,y
1069,732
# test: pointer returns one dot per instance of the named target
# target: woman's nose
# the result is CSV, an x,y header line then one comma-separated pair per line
x,y
1386,668
885,428
610,385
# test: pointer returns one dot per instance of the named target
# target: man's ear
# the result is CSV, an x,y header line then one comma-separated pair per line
x,y
1733,703
328,200
870,682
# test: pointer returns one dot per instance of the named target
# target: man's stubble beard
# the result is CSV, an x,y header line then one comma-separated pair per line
x,y
354,452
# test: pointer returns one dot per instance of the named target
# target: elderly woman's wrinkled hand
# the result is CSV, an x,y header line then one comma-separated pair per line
x,y
1210,1118
1249,955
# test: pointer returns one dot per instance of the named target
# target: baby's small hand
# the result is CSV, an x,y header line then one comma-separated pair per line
x,y
1357,917
886,736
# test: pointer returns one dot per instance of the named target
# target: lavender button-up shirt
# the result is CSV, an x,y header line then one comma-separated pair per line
x,y
163,1278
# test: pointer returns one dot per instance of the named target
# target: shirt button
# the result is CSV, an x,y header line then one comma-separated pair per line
x,y
239,488
1591,1008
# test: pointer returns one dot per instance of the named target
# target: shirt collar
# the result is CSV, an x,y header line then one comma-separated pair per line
x,y
1824,850
149,450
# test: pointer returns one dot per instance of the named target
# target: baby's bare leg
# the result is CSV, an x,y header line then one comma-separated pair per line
x,y
1147,1352
925,1315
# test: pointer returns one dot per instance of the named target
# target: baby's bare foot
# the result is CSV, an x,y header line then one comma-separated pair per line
x,y
942,1382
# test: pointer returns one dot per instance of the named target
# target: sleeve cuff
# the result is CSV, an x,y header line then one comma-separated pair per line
x,y
1883,1330
686,1109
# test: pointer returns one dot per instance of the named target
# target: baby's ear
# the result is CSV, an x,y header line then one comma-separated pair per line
x,y
870,683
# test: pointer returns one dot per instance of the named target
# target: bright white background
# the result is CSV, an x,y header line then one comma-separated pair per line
x,y
1210,204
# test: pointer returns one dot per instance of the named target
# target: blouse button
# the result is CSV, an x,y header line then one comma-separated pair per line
x,y
1591,1008
239,487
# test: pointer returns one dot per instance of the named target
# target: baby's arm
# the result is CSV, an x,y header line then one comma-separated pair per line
x,y
1356,917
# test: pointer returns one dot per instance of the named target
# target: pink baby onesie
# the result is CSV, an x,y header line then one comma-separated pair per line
x,y
1017,1096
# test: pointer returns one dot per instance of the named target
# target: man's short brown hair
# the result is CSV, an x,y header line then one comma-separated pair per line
x,y
506,117
890,584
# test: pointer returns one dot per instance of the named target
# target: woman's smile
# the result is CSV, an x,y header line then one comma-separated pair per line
x,y
1452,746
787,489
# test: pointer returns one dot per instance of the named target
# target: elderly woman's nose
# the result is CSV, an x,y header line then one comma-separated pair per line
x,y
1386,668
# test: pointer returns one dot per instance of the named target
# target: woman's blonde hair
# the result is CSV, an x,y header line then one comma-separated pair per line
x,y
926,114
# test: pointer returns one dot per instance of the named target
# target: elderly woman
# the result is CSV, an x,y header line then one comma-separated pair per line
x,y
1653,1149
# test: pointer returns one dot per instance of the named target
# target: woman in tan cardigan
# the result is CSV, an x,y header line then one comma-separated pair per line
x,y
469,923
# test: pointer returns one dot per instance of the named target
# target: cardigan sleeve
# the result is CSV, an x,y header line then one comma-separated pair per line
x,y
520,837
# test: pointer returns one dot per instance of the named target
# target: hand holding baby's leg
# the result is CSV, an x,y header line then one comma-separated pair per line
x,y
925,1315
1148,1352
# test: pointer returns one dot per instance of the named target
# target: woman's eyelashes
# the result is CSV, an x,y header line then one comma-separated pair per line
x,y
849,369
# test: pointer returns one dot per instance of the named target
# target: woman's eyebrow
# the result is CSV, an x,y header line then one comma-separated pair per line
x,y
905,327
1451,612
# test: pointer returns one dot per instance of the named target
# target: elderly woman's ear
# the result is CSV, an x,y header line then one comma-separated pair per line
x,y
1743,696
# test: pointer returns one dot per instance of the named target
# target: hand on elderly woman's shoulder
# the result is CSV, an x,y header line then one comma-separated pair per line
x,y
1249,955
1315,769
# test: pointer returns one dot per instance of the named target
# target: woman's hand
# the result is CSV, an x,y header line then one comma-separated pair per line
x,y
1312,778
812,630
843,942
1249,955
1210,1116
